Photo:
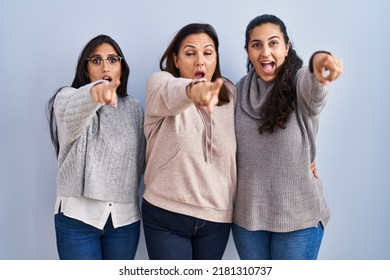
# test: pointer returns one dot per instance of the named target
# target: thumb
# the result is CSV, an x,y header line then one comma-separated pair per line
x,y
214,97
113,101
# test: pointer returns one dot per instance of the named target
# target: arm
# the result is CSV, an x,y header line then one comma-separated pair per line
x,y
169,96
74,108
312,83
311,94
166,95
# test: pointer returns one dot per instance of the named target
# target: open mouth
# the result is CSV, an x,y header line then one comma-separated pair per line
x,y
267,66
107,79
199,75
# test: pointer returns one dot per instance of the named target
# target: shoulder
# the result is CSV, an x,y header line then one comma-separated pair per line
x,y
65,90
250,75
228,83
230,87
64,94
157,79
156,76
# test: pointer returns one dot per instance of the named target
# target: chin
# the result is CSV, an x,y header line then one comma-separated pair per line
x,y
267,78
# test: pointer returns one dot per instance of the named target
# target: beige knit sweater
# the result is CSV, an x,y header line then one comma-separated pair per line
x,y
191,156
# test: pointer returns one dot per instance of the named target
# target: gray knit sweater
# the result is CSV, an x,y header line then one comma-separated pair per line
x,y
276,189
106,166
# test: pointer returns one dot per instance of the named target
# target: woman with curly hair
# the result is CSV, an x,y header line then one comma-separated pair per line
x,y
280,211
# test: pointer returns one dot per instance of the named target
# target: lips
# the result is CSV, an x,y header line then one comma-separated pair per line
x,y
107,78
199,74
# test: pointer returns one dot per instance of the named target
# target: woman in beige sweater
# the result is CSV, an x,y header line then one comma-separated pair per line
x,y
190,178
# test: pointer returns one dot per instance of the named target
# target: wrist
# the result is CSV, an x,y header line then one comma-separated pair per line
x,y
311,69
188,89
190,85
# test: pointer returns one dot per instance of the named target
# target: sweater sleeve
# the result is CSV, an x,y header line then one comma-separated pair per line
x,y
74,109
166,95
311,94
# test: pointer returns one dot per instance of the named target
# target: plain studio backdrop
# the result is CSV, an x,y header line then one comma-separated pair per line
x,y
40,44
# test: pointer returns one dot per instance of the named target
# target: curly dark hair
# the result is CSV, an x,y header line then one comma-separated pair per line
x,y
279,104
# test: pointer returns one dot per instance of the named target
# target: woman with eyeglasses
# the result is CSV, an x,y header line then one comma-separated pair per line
x,y
97,132
190,178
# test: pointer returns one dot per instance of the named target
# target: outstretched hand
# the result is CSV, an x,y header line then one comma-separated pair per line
x,y
105,92
204,93
326,67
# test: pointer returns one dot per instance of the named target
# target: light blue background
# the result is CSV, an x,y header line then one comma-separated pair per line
x,y
40,43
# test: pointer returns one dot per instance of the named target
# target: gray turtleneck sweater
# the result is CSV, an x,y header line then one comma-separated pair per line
x,y
276,189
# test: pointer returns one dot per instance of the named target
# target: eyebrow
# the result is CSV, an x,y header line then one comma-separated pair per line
x,y
109,55
270,38
192,46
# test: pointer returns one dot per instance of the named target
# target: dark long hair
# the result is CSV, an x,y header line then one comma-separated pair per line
x,y
167,62
279,104
81,78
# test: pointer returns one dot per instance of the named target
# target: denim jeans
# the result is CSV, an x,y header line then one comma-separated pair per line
x,y
301,244
79,241
173,236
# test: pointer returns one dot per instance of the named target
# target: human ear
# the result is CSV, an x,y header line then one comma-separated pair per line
x,y
175,60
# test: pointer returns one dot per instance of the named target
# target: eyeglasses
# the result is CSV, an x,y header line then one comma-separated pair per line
x,y
97,61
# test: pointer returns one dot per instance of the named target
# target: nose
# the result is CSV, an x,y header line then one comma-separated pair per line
x,y
200,60
106,66
265,52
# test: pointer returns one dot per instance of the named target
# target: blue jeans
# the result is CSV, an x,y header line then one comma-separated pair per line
x,y
79,241
173,236
301,244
